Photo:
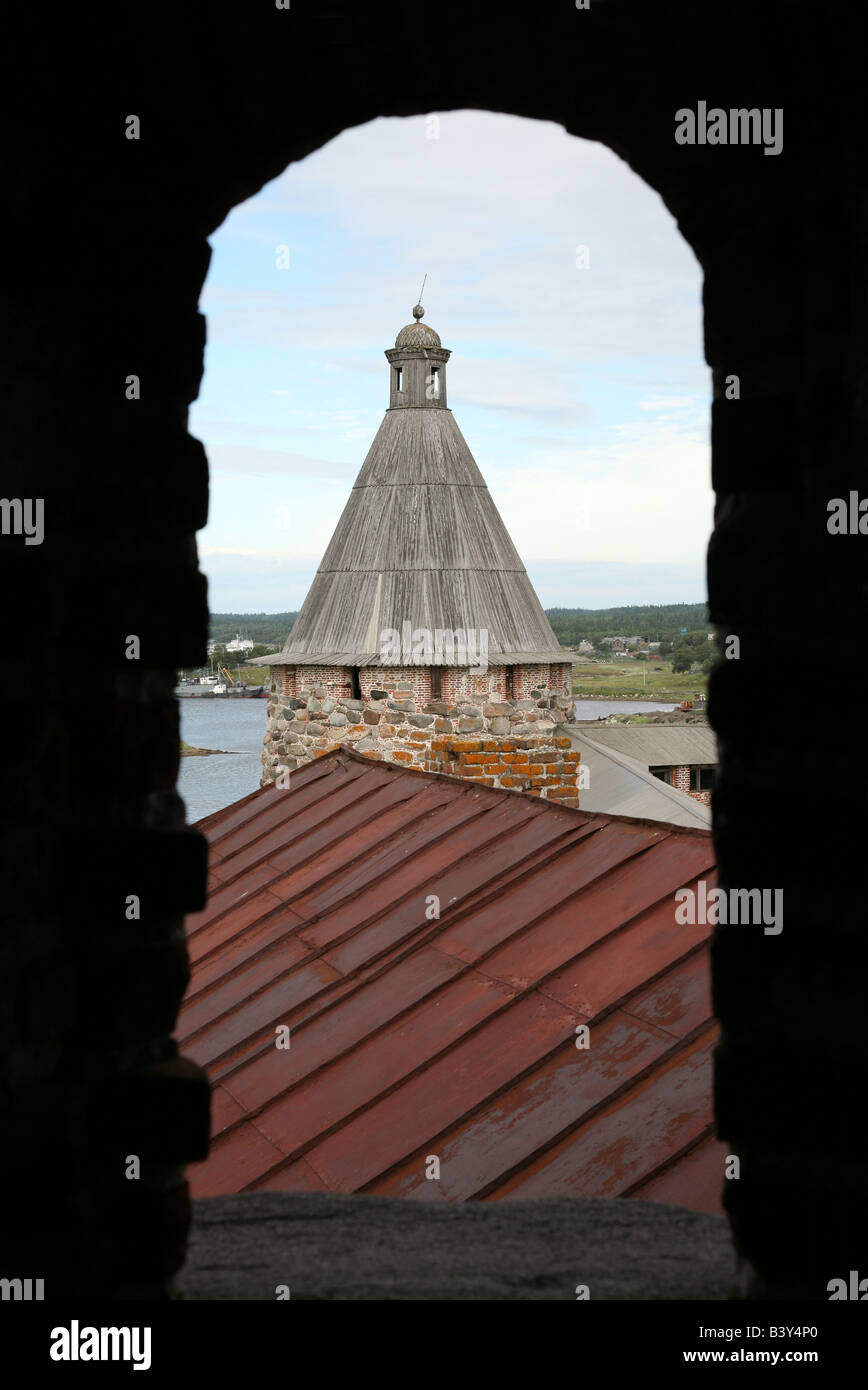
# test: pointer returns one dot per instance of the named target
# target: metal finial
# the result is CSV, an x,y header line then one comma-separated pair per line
x,y
419,311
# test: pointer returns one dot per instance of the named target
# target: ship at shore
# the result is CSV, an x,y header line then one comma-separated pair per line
x,y
208,687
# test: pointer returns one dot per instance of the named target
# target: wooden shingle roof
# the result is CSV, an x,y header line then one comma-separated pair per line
x,y
420,541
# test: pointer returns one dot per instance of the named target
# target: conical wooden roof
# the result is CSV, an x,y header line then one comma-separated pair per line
x,y
419,541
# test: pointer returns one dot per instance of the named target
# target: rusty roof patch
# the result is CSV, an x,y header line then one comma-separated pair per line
x,y
414,1035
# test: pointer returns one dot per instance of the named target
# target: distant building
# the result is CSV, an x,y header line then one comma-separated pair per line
x,y
621,785
683,756
585,645
421,632
240,644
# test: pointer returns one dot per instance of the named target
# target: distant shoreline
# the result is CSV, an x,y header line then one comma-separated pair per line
x,y
187,751
625,699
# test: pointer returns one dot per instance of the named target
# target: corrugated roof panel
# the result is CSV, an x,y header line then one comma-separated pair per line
x,y
624,786
453,1034
340,1029
446,1090
635,1135
604,908
356,1083
210,1039
237,1157
690,1181
680,1002
510,1132
657,745
615,966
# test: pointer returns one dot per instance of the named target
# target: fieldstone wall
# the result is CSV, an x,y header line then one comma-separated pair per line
x,y
242,1246
89,1072
516,737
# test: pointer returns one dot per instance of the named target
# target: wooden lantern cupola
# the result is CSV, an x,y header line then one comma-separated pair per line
x,y
417,366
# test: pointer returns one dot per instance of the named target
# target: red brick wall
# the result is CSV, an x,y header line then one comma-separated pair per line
x,y
289,680
402,683
561,678
414,682
680,777
459,684
528,678
545,767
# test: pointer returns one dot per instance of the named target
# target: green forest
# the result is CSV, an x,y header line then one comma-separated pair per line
x,y
261,628
655,622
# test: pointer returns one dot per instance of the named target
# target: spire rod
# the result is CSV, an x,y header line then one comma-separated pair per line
x,y
422,291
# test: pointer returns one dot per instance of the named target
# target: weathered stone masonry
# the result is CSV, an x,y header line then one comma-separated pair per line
x,y
502,743
126,489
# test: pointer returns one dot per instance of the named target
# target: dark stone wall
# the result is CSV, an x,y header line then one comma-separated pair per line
x,y
328,1245
109,258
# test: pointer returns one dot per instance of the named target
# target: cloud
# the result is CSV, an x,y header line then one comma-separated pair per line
x,y
582,392
499,206
244,582
245,459
613,584
667,403
644,495
256,581
509,388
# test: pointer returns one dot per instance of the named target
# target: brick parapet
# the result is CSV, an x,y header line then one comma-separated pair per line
x,y
502,743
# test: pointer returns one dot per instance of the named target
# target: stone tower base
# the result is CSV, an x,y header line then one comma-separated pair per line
x,y
509,743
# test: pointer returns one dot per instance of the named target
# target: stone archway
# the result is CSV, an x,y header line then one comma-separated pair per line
x,y
91,814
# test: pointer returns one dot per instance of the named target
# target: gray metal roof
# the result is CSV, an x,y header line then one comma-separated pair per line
x,y
659,745
419,541
624,787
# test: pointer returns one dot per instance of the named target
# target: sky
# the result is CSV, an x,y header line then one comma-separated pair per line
x,y
576,377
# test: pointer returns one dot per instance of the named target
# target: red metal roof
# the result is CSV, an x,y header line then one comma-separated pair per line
x,y
454,1037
